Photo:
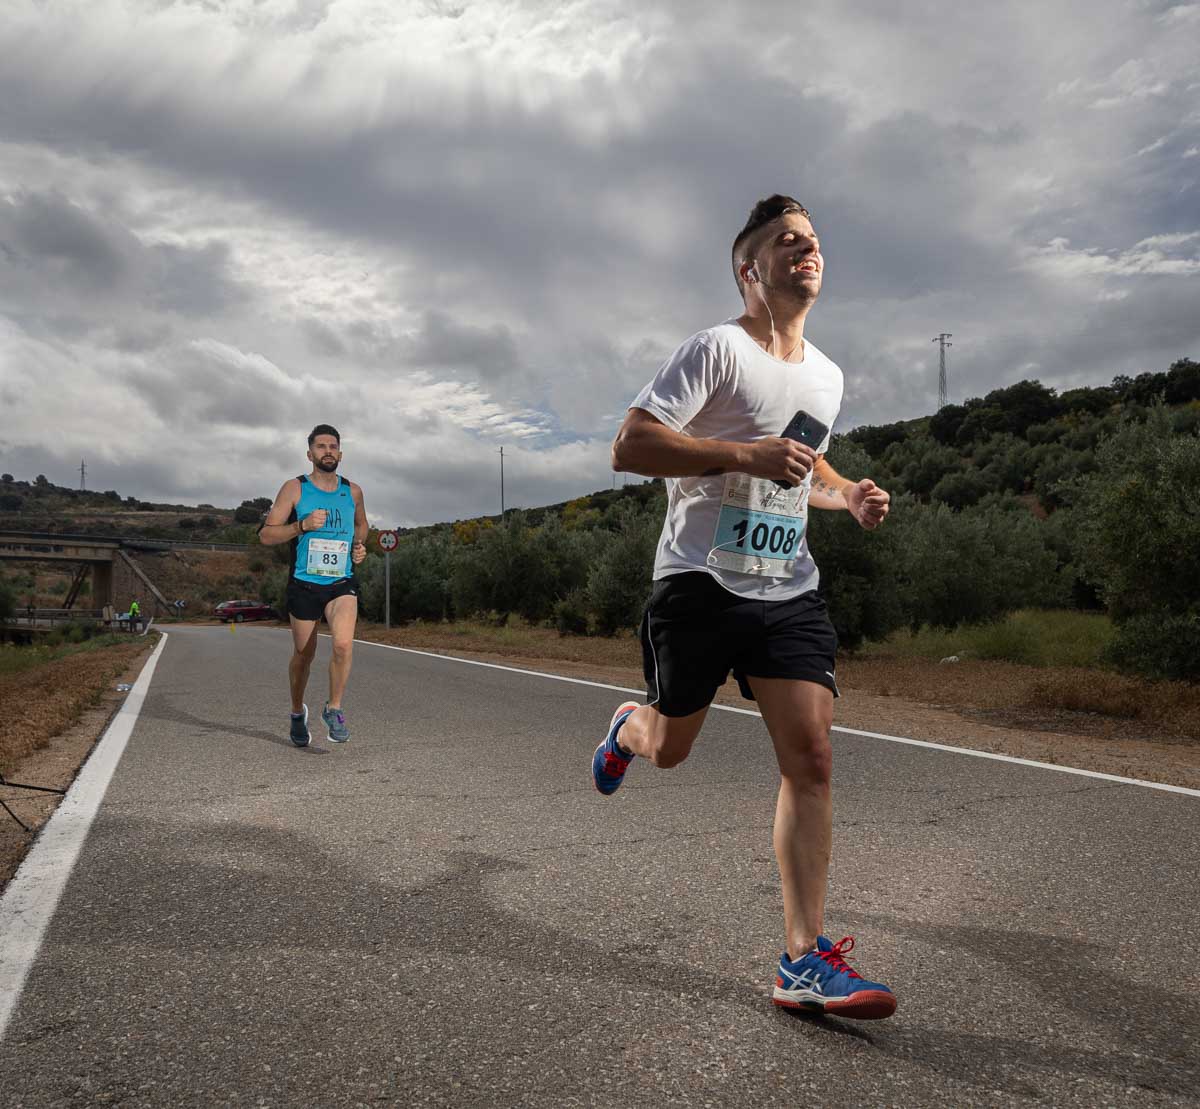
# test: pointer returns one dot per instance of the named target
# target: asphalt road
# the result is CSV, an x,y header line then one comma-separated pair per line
x,y
446,912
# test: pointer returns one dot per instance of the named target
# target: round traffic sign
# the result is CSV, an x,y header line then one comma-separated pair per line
x,y
387,541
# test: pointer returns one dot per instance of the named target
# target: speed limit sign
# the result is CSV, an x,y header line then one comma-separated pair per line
x,y
387,541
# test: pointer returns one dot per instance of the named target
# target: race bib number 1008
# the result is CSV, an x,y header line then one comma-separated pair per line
x,y
760,527
327,558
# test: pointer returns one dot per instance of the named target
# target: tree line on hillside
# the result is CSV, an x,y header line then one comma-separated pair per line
x,y
40,505
1022,498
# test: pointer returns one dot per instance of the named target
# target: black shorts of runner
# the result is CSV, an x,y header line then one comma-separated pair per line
x,y
695,631
306,601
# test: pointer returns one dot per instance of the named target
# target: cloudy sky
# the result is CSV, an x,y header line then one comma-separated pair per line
x,y
449,226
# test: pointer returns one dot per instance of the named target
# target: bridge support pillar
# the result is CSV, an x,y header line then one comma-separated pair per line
x,y
102,584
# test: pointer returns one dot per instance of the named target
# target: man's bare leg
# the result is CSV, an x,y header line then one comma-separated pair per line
x,y
342,615
664,740
799,715
304,642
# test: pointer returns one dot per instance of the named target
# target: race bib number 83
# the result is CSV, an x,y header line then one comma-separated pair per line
x,y
328,558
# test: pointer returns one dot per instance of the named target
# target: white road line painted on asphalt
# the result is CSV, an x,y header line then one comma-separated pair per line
x,y
32,896
846,731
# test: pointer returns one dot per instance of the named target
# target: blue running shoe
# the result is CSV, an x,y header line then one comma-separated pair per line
x,y
609,763
823,981
335,722
299,733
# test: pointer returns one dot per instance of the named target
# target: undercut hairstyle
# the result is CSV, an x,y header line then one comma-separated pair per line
x,y
764,212
323,429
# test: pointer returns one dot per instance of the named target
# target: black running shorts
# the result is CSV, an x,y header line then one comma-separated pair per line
x,y
307,601
695,631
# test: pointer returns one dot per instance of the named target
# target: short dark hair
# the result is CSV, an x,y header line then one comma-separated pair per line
x,y
324,429
764,212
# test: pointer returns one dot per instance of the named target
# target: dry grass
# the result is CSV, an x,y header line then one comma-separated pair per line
x,y
515,638
45,699
1076,698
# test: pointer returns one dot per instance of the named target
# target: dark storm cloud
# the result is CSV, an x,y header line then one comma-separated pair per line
x,y
55,252
441,341
540,237
72,244
437,341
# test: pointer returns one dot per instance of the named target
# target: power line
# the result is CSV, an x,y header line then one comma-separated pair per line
x,y
943,340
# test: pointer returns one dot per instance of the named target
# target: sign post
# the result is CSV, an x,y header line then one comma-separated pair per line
x,y
387,544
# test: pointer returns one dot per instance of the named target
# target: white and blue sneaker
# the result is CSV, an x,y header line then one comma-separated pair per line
x,y
335,722
299,730
610,760
823,982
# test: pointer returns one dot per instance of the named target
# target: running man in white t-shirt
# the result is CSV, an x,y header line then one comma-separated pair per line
x,y
735,586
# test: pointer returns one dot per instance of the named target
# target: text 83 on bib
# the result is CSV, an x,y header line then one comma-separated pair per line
x,y
328,558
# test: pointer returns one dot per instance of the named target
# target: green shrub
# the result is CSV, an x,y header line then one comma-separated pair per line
x,y
1139,542
858,567
518,569
271,588
1159,644
571,613
619,580
971,567
420,581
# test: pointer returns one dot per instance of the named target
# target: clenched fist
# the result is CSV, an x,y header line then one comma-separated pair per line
x,y
358,552
315,520
868,503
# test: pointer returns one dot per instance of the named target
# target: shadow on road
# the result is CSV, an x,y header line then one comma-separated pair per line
x,y
161,709
1049,975
415,952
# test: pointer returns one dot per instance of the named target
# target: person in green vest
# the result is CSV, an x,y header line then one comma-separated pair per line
x,y
135,614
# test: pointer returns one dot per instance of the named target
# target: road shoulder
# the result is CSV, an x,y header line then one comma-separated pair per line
x,y
56,765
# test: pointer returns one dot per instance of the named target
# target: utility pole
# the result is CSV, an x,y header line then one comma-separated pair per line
x,y
501,485
943,340
82,474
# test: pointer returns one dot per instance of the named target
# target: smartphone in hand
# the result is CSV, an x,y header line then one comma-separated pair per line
x,y
804,429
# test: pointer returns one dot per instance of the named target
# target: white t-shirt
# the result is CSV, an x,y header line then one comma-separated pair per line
x,y
746,532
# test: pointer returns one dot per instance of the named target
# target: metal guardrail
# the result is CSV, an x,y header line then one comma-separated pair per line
x,y
132,542
45,619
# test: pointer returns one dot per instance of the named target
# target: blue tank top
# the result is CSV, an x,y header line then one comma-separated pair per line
x,y
322,557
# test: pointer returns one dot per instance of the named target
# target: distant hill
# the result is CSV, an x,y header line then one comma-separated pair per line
x,y
40,505
1025,440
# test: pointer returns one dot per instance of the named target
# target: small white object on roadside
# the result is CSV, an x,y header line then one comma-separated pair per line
x,y
124,687
950,658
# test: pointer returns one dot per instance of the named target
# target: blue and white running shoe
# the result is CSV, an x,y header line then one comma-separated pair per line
x,y
823,981
609,763
299,731
335,722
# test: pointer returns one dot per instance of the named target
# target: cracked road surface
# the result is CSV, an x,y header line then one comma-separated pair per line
x,y
445,912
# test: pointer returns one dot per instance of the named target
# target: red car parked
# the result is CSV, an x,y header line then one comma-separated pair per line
x,y
238,611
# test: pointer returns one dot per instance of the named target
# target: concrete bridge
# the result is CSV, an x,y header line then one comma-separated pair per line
x,y
96,555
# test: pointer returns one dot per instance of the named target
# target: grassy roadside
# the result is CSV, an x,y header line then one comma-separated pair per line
x,y
47,689
1029,637
1064,689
